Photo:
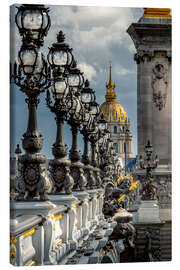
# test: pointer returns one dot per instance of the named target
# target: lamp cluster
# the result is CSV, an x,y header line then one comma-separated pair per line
x,y
71,99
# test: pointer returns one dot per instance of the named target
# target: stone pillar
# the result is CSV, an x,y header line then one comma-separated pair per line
x,y
152,39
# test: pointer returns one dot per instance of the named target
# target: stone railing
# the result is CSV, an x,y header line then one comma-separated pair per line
x,y
45,233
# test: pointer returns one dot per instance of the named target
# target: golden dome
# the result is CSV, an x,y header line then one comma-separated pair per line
x,y
112,111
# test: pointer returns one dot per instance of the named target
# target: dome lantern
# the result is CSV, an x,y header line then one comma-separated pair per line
x,y
110,88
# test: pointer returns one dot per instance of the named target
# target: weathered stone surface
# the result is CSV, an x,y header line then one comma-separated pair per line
x,y
152,39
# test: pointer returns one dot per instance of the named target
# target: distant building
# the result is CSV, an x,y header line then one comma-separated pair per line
x,y
118,122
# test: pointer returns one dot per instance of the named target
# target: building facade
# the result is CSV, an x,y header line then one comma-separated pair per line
x,y
118,122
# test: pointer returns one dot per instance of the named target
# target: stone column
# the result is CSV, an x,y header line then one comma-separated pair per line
x,y
152,39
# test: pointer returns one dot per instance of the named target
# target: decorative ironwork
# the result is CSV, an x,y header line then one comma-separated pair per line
x,y
60,59
31,74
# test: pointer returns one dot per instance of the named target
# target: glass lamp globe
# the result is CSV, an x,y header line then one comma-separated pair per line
x,y
75,77
60,88
33,22
60,56
73,80
27,59
87,94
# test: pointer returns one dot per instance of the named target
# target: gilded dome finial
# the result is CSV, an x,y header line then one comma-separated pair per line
x,y
110,73
110,87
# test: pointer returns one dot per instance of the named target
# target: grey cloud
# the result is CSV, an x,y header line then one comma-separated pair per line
x,y
97,36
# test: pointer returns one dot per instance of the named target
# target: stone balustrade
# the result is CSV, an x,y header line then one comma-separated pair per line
x,y
46,233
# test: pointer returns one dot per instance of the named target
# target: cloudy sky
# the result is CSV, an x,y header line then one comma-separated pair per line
x,y
97,35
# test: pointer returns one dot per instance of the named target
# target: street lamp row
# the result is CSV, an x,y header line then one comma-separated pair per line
x,y
71,102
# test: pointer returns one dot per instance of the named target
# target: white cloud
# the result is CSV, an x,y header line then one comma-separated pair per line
x,y
89,71
91,28
123,71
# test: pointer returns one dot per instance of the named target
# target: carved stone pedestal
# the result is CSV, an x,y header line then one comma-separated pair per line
x,y
148,212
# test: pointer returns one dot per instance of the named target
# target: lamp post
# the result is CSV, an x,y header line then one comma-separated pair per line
x,y
31,75
96,132
108,162
87,96
93,137
149,163
75,118
103,151
60,59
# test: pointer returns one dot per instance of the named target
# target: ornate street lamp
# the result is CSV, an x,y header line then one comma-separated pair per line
x,y
107,165
60,56
75,118
87,97
31,75
149,163
93,138
59,167
33,23
102,148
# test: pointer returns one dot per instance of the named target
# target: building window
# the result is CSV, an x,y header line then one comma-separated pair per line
x,y
116,147
115,129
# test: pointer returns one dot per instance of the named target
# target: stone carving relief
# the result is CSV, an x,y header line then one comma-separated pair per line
x,y
164,192
159,85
